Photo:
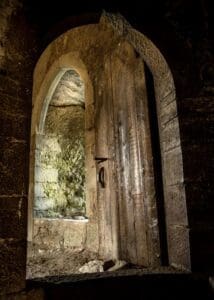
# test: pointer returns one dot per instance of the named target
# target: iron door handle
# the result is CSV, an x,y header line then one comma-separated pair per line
x,y
101,177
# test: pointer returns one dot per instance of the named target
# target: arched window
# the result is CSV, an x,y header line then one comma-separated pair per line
x,y
59,190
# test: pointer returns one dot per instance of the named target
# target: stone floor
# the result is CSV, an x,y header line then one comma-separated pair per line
x,y
58,263
74,262
84,275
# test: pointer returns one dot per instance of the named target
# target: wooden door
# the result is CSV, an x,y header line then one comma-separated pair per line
x,y
122,138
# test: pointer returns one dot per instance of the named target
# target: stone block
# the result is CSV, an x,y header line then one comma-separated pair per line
x,y
52,234
172,167
164,87
74,234
14,170
175,205
170,135
167,112
13,217
37,158
15,89
10,103
200,167
13,265
15,126
46,175
48,234
43,203
39,190
47,142
196,130
200,202
178,246
198,105
16,66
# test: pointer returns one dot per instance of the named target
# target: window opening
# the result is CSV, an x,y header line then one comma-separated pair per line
x,y
60,175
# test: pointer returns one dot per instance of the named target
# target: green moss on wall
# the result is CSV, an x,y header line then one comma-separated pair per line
x,y
64,151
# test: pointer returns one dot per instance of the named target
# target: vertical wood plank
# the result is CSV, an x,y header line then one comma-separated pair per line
x,y
127,204
128,161
148,188
100,151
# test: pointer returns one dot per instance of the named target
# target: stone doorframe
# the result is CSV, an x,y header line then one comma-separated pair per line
x,y
66,52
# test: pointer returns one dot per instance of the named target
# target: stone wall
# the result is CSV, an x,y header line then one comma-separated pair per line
x,y
17,56
60,164
182,31
52,235
194,78
197,126
107,210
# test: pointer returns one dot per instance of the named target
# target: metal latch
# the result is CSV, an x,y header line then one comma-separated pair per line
x,y
101,174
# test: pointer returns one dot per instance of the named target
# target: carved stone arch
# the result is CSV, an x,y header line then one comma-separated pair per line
x,y
69,50
171,153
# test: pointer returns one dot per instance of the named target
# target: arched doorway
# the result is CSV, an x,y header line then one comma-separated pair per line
x,y
122,197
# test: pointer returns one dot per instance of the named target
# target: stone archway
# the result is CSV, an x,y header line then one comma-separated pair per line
x,y
171,154
69,51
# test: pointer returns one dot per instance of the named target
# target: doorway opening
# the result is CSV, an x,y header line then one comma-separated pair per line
x,y
121,208
59,212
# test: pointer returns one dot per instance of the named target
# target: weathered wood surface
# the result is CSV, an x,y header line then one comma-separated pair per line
x,y
127,210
